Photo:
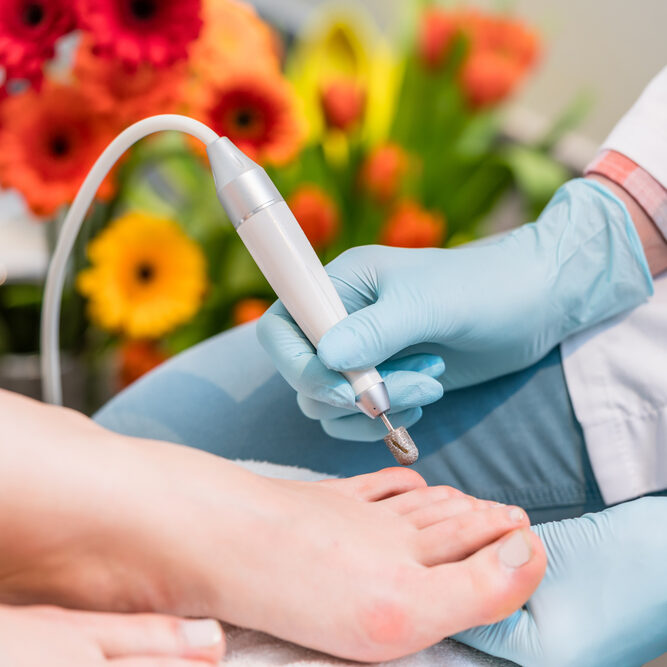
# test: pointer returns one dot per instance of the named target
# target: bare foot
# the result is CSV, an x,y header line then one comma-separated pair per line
x,y
369,568
32,636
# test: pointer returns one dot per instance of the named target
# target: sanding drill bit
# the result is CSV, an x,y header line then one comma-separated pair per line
x,y
400,443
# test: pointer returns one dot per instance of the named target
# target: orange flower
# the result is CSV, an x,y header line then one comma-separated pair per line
x,y
317,214
127,94
383,170
437,30
488,77
248,310
412,226
501,50
343,104
255,109
510,37
137,357
48,142
233,35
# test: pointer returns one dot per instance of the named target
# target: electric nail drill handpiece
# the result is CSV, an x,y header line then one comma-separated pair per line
x,y
281,250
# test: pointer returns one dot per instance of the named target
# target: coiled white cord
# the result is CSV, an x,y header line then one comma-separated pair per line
x,y
55,278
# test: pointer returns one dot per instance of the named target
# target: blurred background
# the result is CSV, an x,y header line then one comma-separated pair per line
x,y
408,123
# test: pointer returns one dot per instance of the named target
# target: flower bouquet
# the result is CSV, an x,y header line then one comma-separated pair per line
x,y
368,142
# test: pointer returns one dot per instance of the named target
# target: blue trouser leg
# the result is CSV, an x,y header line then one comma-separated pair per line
x,y
514,439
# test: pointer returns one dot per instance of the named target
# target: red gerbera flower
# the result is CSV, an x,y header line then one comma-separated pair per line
x,y
255,109
28,32
48,142
136,31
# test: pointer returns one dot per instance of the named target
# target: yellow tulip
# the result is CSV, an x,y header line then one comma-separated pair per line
x,y
342,47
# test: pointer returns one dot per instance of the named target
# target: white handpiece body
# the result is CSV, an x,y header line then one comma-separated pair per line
x,y
284,255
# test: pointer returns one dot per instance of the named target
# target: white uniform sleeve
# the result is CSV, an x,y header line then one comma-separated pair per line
x,y
641,134
616,373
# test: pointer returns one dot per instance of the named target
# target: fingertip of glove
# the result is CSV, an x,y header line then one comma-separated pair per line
x,y
436,368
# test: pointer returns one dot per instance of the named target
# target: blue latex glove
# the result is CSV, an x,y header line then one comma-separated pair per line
x,y
603,599
488,309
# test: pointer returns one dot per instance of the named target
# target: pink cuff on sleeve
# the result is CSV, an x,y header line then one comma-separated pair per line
x,y
637,182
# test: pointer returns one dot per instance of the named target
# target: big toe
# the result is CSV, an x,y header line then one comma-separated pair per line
x,y
485,587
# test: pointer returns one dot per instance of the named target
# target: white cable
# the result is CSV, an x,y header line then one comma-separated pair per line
x,y
55,278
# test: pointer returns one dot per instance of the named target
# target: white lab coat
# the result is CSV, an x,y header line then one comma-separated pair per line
x,y
616,372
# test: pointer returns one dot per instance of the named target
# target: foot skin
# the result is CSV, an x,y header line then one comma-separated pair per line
x,y
32,636
369,568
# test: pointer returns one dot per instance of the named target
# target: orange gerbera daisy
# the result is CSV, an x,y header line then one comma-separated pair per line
x,y
412,226
48,142
127,94
256,110
233,35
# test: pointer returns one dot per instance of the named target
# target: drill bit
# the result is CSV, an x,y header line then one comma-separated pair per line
x,y
400,443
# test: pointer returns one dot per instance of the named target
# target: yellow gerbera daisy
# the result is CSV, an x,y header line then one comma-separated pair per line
x,y
146,278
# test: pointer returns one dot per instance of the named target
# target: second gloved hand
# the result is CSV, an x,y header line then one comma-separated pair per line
x,y
603,599
487,310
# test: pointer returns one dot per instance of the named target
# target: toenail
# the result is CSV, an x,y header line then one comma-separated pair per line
x,y
202,633
516,514
516,550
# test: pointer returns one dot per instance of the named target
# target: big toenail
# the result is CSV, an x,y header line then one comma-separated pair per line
x,y
515,551
516,514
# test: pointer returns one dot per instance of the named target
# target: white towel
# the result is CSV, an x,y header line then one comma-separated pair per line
x,y
247,648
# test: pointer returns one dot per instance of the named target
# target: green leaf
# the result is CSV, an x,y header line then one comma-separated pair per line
x,y
537,175
17,296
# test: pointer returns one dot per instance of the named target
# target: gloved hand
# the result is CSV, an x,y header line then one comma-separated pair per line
x,y
603,599
489,309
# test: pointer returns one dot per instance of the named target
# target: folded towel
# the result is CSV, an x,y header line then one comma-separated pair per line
x,y
248,648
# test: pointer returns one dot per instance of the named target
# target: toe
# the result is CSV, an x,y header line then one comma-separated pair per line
x,y
464,533
432,513
485,587
413,500
380,485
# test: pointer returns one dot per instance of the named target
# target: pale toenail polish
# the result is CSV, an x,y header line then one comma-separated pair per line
x,y
202,633
515,551
517,514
